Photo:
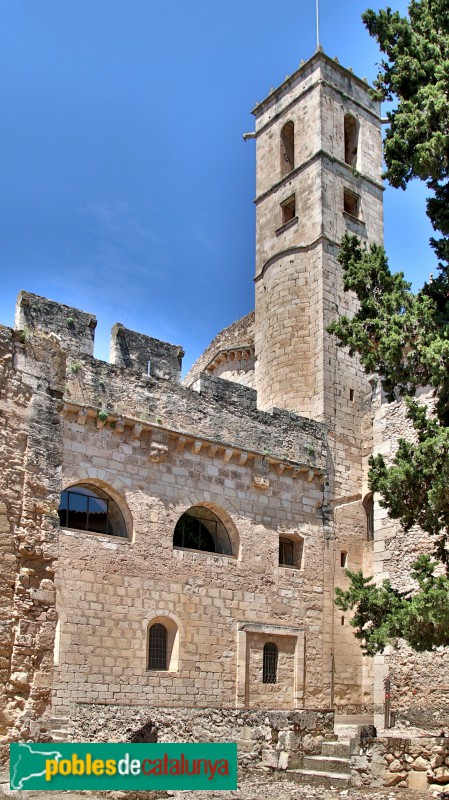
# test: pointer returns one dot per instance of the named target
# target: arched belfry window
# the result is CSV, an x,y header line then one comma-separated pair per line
x,y
88,508
270,663
287,148
368,504
351,127
200,529
157,647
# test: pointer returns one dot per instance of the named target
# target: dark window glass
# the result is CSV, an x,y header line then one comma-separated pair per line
x,y
286,552
270,663
200,529
157,647
88,508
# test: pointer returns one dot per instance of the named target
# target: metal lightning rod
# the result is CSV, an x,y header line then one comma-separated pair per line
x,y
317,26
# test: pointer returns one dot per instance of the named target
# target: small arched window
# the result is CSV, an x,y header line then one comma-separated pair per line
x,y
157,647
270,663
200,529
287,148
368,504
351,139
88,508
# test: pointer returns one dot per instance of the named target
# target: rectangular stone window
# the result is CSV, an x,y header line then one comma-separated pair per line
x,y
288,208
286,552
290,551
351,203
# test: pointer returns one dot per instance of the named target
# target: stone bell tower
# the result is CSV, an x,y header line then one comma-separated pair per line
x,y
318,175
319,160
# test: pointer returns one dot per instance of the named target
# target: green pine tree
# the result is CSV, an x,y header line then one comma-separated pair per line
x,y
403,336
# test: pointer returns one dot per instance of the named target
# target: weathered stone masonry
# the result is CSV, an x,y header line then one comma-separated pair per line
x,y
270,432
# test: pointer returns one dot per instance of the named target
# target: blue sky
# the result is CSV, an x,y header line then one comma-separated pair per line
x,y
126,186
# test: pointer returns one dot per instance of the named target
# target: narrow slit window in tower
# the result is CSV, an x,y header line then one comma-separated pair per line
x,y
287,148
351,140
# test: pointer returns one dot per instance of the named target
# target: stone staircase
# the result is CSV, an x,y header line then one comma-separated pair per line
x,y
59,728
333,767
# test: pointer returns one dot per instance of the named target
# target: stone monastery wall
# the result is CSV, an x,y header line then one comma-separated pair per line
x,y
77,619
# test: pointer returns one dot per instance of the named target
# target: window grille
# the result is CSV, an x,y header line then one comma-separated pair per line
x,y
270,663
157,647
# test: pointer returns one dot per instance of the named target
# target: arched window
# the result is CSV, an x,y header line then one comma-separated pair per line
x,y
157,647
351,139
287,148
270,663
88,508
200,529
368,504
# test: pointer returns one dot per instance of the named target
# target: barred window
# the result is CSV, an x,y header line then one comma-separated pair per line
x,y
88,508
270,663
157,647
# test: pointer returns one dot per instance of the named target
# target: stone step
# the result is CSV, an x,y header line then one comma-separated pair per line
x,y
354,719
336,749
59,734
326,764
313,777
330,737
345,732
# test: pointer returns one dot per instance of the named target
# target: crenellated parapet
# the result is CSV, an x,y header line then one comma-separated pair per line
x,y
75,329
151,356
141,388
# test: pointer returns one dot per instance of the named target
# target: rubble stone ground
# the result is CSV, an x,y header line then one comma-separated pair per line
x,y
251,787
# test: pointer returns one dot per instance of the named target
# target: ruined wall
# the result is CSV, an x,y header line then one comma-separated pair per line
x,y
419,682
276,739
406,763
32,376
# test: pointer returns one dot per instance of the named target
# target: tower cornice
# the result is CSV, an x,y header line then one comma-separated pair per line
x,y
315,59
